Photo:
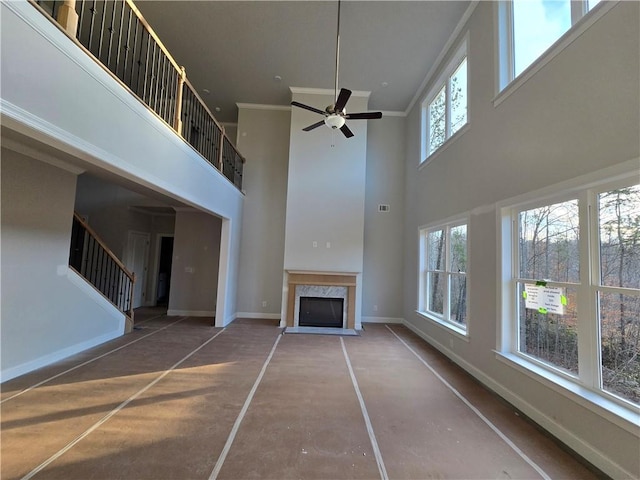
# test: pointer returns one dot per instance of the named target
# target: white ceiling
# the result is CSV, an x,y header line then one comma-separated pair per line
x,y
234,49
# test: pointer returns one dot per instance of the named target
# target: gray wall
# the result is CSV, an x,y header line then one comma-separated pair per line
x,y
48,312
264,140
383,231
196,259
576,115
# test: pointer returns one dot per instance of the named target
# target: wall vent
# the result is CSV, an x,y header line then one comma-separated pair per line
x,y
383,208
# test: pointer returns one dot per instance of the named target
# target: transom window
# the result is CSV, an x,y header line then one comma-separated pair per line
x,y
528,28
573,300
443,278
444,111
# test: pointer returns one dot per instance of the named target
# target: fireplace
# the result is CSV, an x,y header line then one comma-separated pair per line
x,y
321,312
336,290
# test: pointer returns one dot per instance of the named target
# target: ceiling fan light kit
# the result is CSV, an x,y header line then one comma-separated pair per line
x,y
336,115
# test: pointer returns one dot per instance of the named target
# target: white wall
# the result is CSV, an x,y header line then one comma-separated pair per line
x,y
82,111
326,190
264,139
48,311
577,115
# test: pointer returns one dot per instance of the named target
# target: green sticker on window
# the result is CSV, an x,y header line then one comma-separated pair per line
x,y
541,283
542,310
563,300
524,294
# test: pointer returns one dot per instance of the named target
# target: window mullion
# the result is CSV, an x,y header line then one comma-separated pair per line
x,y
447,109
446,307
588,335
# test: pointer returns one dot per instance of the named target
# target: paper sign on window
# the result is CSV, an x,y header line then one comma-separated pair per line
x,y
544,299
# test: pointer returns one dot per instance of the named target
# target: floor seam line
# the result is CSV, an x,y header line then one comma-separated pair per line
x,y
113,412
236,426
367,420
58,375
480,415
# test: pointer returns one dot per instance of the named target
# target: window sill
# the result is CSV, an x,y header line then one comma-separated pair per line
x,y
554,50
626,417
449,327
443,147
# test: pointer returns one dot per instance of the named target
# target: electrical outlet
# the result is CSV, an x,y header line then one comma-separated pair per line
x,y
315,244
328,244
375,308
264,303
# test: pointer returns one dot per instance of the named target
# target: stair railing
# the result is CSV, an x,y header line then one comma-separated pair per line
x,y
116,34
94,261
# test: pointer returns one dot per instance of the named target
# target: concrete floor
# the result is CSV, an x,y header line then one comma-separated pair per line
x,y
180,399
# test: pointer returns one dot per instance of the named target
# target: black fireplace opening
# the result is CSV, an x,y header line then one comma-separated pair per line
x,y
321,312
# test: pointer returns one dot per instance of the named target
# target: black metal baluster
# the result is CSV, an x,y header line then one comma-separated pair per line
x,y
92,25
101,37
127,45
146,67
135,50
119,44
81,5
111,30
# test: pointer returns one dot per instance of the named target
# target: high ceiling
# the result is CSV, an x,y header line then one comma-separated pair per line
x,y
235,49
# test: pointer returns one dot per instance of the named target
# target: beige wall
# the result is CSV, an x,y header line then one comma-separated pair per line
x,y
194,269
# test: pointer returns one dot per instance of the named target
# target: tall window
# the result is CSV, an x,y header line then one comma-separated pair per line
x,y
528,28
445,107
576,283
443,282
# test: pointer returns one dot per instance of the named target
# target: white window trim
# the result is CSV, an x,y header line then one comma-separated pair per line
x,y
506,84
450,326
443,80
622,412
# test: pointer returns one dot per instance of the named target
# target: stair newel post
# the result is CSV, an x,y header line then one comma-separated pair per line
x,y
177,121
67,17
221,148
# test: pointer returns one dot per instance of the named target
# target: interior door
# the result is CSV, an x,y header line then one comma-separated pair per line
x,y
137,262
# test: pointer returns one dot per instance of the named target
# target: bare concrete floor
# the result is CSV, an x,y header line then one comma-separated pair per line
x,y
180,399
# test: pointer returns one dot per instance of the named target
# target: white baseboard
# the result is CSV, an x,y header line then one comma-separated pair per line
x,y
191,313
578,445
382,320
53,357
261,316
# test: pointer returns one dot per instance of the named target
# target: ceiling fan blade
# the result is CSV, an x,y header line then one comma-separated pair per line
x,y
307,107
345,130
342,100
363,115
315,125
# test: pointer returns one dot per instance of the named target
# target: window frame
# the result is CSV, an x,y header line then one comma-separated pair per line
x,y
444,81
587,384
506,81
443,319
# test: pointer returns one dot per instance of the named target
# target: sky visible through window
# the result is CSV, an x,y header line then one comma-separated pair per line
x,y
537,24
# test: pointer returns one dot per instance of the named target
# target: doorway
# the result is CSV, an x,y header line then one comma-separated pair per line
x,y
138,262
165,257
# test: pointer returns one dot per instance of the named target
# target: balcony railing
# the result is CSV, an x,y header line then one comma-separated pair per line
x,y
117,35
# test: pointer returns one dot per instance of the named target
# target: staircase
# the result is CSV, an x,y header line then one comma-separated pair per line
x,y
97,264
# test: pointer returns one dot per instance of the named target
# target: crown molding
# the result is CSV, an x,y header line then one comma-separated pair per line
x,y
327,91
260,106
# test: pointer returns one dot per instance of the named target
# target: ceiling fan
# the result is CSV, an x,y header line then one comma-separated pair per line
x,y
335,115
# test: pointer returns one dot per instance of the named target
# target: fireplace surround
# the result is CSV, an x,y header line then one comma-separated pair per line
x,y
324,285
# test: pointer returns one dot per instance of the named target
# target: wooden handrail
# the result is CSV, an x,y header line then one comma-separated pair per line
x,y
107,250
